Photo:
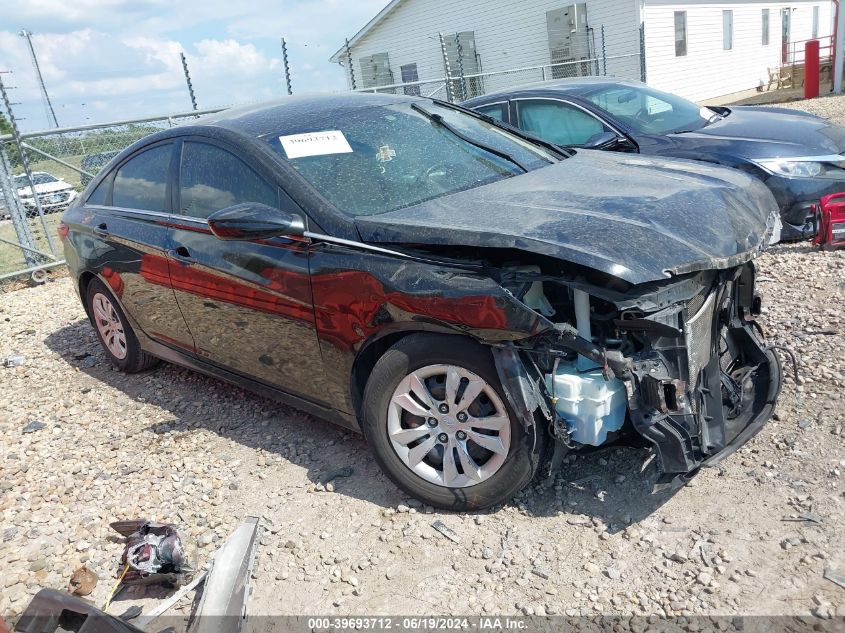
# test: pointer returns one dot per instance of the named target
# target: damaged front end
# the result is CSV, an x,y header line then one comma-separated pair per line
x,y
681,362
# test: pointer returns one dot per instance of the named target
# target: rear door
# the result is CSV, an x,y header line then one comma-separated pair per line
x,y
248,304
131,209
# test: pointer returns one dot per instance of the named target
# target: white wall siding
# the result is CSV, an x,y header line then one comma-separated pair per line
x,y
707,70
508,35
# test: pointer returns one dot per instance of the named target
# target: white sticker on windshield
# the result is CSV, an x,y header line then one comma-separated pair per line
x,y
315,144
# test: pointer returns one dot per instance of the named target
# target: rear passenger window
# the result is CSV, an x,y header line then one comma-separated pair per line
x,y
212,179
141,183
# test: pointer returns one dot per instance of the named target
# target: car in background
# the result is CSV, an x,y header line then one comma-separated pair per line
x,y
473,301
93,163
53,193
800,157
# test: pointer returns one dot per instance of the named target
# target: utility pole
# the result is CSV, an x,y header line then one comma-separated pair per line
x,y
286,66
48,105
188,80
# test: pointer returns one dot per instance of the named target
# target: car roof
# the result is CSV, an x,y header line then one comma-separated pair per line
x,y
576,85
295,113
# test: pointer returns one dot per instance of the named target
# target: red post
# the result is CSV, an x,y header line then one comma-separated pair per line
x,y
811,69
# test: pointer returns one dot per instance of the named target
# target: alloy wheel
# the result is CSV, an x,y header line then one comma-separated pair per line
x,y
449,426
109,325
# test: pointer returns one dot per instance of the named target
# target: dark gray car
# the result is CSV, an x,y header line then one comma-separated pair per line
x,y
800,157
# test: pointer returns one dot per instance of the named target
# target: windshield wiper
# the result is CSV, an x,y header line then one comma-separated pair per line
x,y
438,120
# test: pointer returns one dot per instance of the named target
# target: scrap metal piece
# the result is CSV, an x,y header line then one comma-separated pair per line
x,y
835,576
15,360
52,610
163,606
446,531
222,607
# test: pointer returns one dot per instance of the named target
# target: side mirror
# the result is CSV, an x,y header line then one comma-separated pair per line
x,y
254,221
601,140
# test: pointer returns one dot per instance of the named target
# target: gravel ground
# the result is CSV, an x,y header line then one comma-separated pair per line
x,y
175,446
831,107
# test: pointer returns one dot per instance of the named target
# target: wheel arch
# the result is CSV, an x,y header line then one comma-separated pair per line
x,y
375,347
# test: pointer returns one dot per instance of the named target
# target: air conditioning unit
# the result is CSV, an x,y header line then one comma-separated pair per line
x,y
569,40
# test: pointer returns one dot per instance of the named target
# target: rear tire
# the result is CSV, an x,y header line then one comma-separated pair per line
x,y
476,454
113,329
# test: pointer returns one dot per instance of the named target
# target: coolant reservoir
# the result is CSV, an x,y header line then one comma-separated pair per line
x,y
591,405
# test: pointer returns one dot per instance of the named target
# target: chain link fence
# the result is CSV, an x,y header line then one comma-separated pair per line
x,y
41,173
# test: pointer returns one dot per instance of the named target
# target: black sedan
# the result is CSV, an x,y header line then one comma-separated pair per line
x,y
799,156
464,296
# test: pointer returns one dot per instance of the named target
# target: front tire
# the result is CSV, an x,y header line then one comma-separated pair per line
x,y
113,329
441,427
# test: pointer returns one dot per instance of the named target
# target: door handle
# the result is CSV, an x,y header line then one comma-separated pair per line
x,y
101,229
180,253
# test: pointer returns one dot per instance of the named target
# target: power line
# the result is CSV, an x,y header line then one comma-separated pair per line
x,y
48,106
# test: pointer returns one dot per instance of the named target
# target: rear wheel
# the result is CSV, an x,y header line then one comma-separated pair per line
x,y
116,335
440,425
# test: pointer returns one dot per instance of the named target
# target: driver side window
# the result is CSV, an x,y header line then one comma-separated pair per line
x,y
210,179
558,122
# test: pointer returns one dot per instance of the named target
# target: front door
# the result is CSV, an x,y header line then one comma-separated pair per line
x,y
247,304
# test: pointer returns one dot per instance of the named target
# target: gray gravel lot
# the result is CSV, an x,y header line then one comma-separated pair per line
x,y
173,445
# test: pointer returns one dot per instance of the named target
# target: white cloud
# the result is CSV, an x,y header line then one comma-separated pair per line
x,y
118,59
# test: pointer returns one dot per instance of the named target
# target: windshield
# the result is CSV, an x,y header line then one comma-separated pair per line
x,y
381,158
651,111
37,179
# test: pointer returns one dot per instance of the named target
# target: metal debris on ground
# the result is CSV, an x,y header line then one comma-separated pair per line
x,y
835,576
15,360
807,517
446,531
34,426
82,582
153,553
51,611
131,613
171,601
222,608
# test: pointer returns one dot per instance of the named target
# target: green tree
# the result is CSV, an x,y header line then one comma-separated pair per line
x,y
5,126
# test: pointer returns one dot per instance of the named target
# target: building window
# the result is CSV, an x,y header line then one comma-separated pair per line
x,y
410,75
815,22
728,30
765,27
680,33
375,71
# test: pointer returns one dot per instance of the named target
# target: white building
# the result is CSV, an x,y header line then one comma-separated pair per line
x,y
694,48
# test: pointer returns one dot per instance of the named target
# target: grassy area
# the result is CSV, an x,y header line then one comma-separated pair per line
x,y
11,257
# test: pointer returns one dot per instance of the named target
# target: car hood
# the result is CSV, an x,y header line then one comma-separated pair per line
x,y
752,132
639,219
47,187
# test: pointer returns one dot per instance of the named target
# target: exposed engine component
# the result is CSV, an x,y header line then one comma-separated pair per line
x,y
591,405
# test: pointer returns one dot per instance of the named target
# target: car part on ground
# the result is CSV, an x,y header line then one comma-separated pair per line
x,y
153,553
830,222
455,289
52,611
223,605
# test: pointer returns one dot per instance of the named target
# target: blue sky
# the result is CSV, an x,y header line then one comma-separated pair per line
x,y
106,60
